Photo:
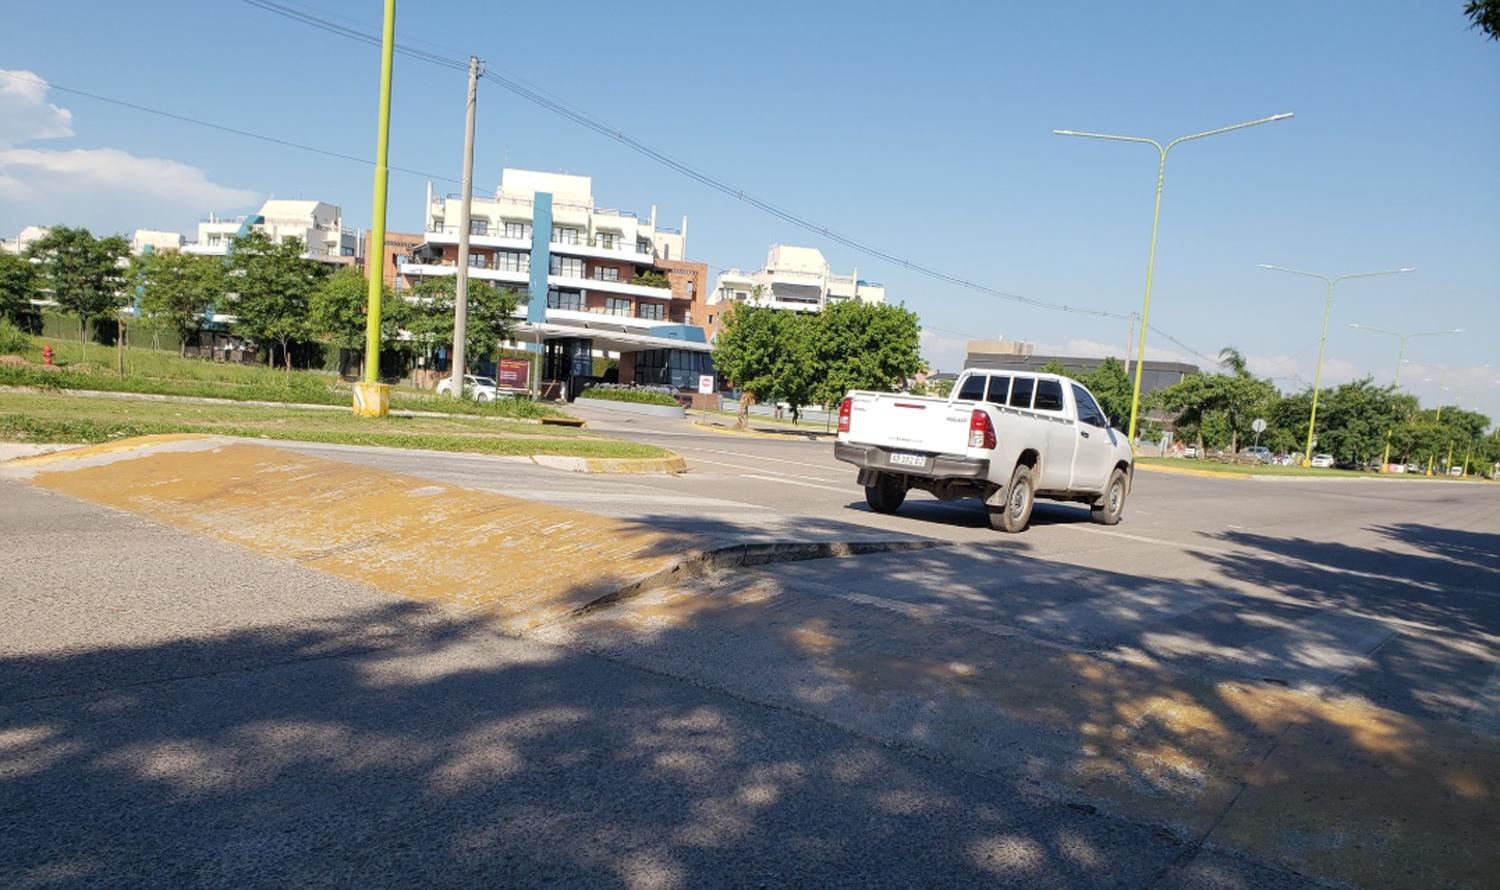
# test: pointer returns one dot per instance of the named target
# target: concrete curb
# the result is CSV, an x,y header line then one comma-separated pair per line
x,y
613,465
633,407
698,564
258,403
789,436
1268,477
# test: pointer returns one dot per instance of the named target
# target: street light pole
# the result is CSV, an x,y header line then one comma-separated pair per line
x,y
466,203
1161,173
1385,461
1312,423
371,397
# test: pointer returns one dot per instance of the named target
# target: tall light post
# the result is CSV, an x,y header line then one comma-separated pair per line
x,y
1161,172
371,397
1312,423
1385,462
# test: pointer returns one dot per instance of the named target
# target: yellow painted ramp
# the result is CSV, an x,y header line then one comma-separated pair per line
x,y
528,563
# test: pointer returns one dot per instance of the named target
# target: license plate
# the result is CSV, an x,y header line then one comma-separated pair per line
x,y
907,459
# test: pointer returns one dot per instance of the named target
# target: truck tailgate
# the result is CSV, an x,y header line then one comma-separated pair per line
x,y
909,423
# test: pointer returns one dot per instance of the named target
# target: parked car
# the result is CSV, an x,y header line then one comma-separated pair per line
x,y
480,389
1413,468
1003,438
1191,451
1323,461
1258,453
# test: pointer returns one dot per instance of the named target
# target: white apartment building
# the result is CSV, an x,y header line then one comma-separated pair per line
x,y
317,223
576,219
602,260
156,240
23,240
798,279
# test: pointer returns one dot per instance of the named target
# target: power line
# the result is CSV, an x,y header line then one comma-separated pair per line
x,y
221,127
536,96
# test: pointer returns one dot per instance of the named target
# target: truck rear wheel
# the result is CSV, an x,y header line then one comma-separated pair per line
x,y
1111,505
1013,515
886,494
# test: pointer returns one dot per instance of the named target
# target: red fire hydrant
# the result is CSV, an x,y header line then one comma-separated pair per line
x,y
47,354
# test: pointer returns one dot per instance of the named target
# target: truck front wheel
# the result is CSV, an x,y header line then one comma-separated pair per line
x,y
886,494
1111,505
1014,513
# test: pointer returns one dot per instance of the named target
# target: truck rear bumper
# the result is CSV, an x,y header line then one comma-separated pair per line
x,y
939,466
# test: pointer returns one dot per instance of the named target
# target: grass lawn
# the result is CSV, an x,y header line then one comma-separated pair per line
x,y
47,417
1209,466
160,372
805,426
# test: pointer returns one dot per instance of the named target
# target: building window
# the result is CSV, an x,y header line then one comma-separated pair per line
x,y
479,227
607,240
564,299
606,273
479,261
653,311
617,306
567,266
513,261
564,235
643,246
518,230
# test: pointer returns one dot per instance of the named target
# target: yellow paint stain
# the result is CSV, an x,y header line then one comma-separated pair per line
x,y
122,447
526,562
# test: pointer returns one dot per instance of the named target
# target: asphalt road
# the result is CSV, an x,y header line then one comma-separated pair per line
x,y
175,710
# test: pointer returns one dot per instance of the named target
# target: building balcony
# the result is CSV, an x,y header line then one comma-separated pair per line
x,y
449,235
613,287
503,277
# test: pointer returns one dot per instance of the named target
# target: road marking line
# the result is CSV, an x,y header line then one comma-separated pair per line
x,y
790,481
779,460
719,463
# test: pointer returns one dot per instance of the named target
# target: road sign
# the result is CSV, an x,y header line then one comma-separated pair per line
x,y
706,384
1258,424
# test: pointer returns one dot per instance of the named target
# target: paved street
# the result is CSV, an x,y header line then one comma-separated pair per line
x,y
1246,683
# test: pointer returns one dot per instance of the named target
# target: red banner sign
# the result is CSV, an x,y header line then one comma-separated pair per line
x,y
513,373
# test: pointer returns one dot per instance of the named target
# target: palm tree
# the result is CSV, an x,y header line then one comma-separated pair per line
x,y
1233,361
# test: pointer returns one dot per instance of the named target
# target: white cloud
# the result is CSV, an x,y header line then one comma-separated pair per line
x,y
104,188
33,176
25,113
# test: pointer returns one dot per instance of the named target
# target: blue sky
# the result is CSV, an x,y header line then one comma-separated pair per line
x,y
927,135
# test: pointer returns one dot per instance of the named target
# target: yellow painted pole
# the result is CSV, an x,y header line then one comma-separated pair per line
x,y
1312,422
1161,172
371,397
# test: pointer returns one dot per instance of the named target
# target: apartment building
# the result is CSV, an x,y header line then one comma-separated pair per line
x,y
605,266
797,279
397,252
154,240
317,223
23,240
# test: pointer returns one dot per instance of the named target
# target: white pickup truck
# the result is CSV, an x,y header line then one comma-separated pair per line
x,y
1005,438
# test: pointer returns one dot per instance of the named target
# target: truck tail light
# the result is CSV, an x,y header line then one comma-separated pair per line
x,y
845,407
981,431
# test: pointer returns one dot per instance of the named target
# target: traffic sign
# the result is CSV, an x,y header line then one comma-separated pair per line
x,y
1258,424
706,384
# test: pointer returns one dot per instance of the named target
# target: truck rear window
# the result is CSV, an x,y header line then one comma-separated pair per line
x,y
1020,392
1049,396
999,390
973,388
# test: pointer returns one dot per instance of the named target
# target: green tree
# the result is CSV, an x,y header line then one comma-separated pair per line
x,y
273,284
940,388
176,289
1111,387
1484,15
861,346
82,274
1053,366
748,352
17,284
490,316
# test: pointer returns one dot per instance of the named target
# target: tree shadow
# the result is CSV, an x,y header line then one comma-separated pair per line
x,y
438,753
